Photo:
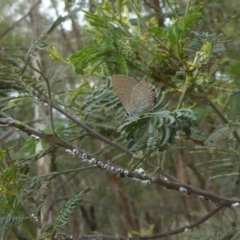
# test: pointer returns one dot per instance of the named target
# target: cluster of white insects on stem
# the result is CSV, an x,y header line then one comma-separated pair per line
x,y
110,168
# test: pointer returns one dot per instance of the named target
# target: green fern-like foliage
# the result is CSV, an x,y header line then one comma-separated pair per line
x,y
21,197
14,75
102,98
157,130
9,221
12,80
178,29
121,43
67,210
63,218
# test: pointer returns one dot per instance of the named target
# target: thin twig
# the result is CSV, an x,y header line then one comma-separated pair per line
x,y
224,119
18,21
90,131
185,228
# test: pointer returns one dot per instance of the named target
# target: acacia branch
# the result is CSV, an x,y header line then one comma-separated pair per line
x,y
77,152
89,130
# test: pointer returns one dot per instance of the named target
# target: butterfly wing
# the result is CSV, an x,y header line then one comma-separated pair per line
x,y
142,98
123,86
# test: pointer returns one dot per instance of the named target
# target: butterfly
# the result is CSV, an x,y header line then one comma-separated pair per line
x,y
136,97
